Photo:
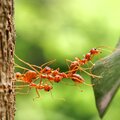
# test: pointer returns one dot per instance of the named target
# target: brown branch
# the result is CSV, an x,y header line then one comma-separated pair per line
x,y
7,42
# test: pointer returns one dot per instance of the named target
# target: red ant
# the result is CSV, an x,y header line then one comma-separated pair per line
x,y
54,75
76,65
50,74
42,70
27,77
46,87
46,70
45,73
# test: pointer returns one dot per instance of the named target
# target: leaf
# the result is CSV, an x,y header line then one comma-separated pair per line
x,y
106,87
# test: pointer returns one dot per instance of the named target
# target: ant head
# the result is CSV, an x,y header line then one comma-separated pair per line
x,y
47,70
47,87
18,75
94,51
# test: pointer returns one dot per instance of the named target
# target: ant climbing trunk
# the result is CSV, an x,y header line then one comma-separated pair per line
x,y
7,42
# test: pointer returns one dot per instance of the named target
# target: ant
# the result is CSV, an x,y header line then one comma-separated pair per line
x,y
37,87
54,75
32,66
76,65
27,77
45,87
45,70
45,73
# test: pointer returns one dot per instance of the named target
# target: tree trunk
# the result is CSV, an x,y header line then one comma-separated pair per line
x,y
7,42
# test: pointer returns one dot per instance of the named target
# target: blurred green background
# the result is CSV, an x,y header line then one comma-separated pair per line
x,y
62,29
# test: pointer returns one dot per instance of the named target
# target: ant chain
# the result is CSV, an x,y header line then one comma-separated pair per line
x,y
54,75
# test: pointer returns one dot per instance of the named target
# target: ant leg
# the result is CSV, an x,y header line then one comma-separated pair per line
x,y
92,64
74,70
23,93
22,86
16,65
38,95
49,81
19,81
67,62
37,66
26,63
34,80
47,63
90,74
40,81
88,68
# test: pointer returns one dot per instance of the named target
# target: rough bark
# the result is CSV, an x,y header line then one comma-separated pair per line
x,y
7,42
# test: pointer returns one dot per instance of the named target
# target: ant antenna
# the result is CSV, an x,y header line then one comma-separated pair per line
x,y
47,63
109,49
16,65
90,74
26,63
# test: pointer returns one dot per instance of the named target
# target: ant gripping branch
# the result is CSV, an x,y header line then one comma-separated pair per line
x,y
78,63
28,77
51,74
37,87
43,73
45,70
46,87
